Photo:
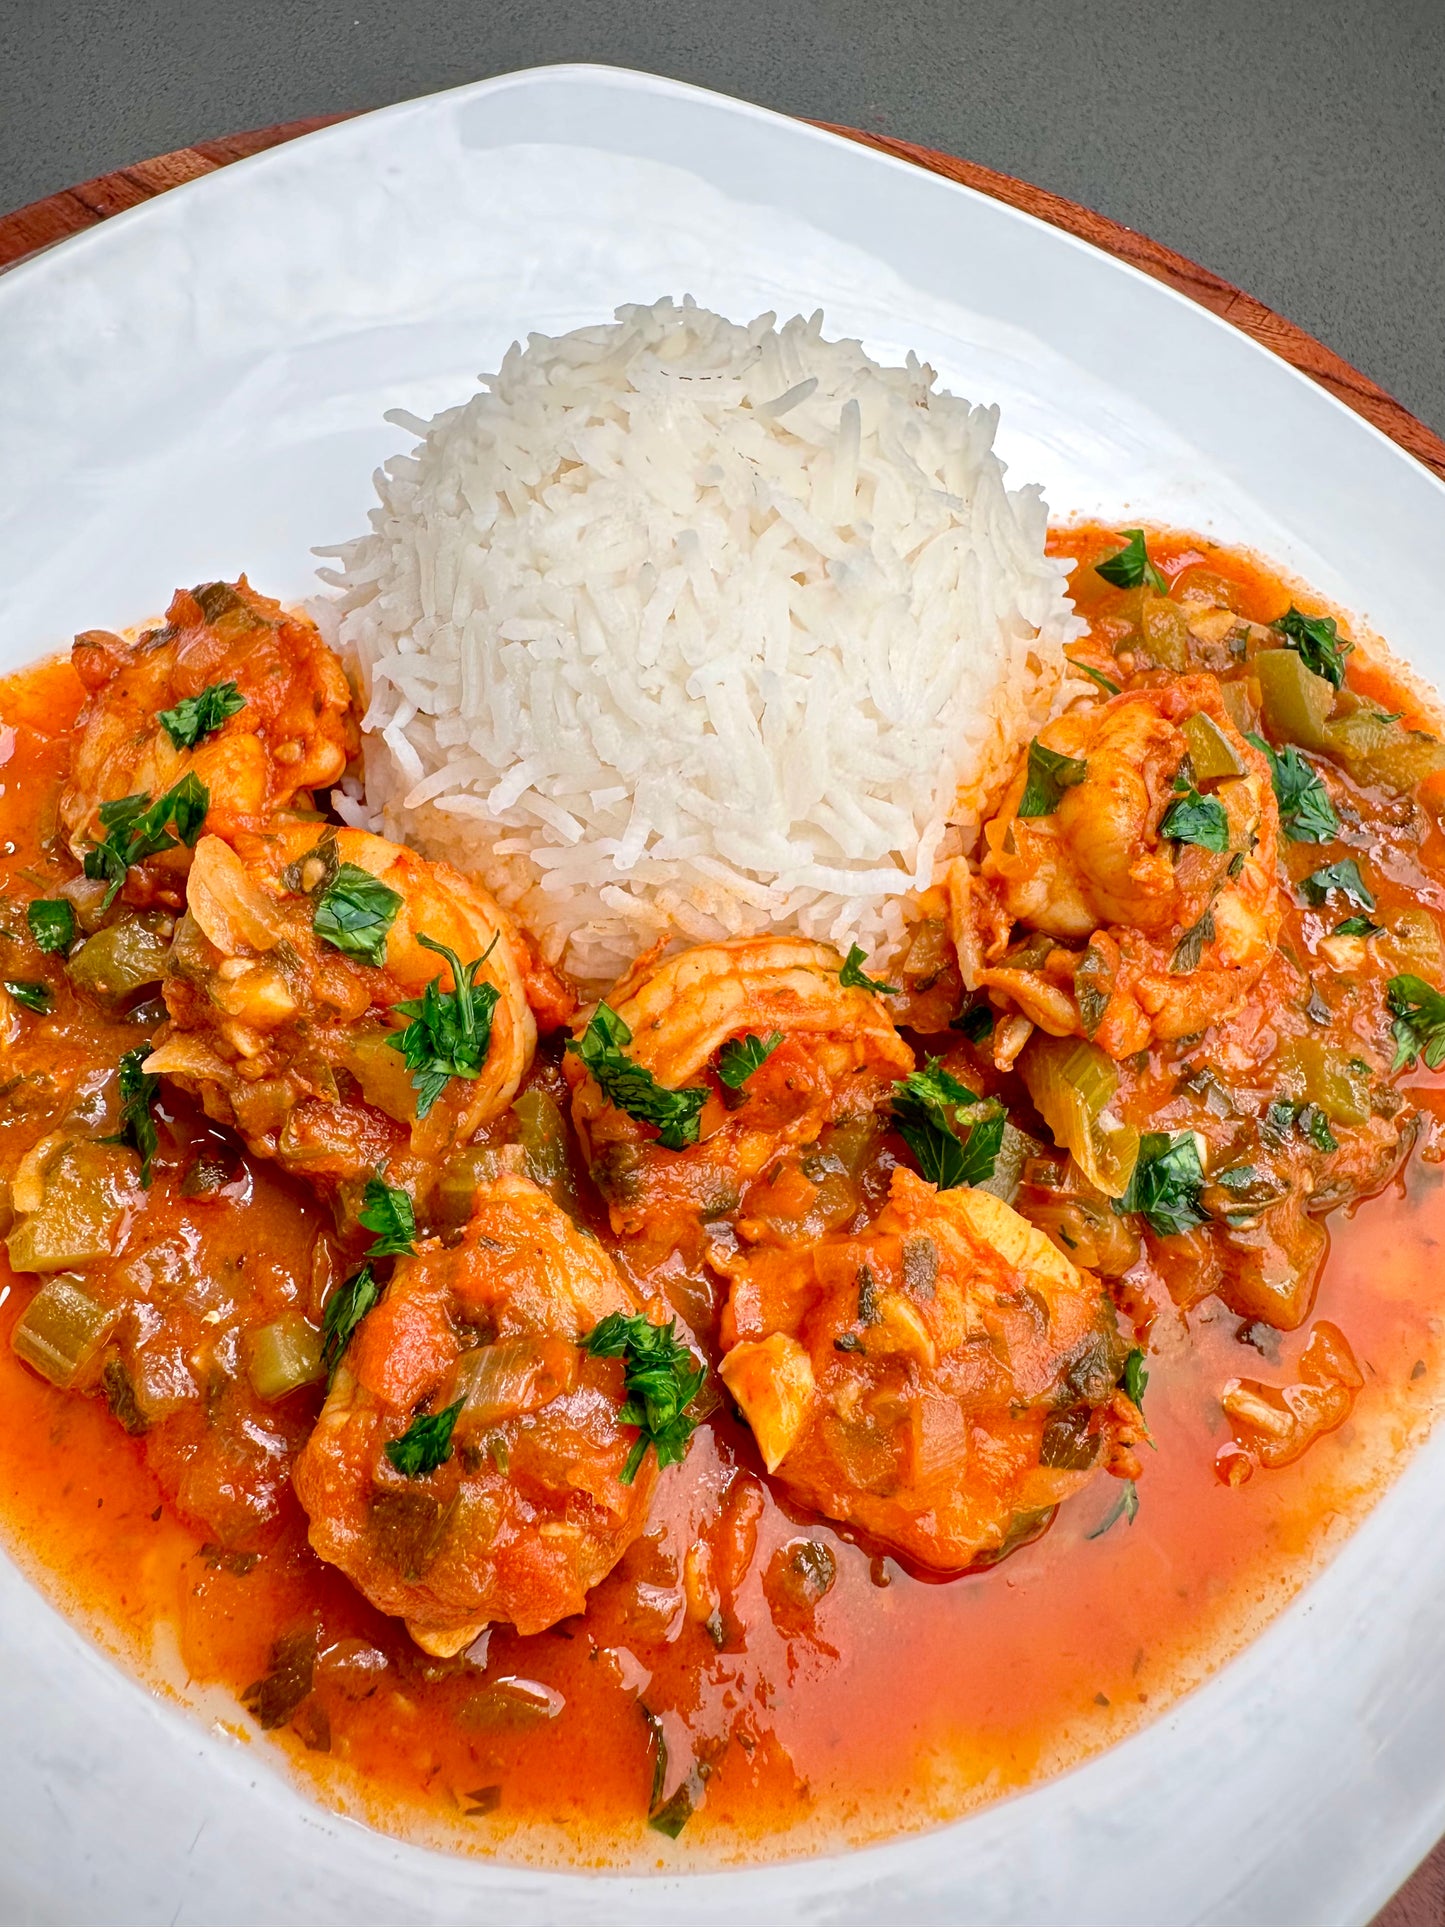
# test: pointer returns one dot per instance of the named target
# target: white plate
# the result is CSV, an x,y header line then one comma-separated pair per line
x,y
197,388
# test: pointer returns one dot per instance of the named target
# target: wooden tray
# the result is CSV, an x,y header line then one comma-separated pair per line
x,y
1421,1902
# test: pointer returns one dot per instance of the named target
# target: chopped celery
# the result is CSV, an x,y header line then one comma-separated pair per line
x,y
1072,1085
283,1356
1210,750
1297,703
1164,632
1376,749
1324,1075
1242,697
86,1188
543,1137
61,1330
383,1076
463,1177
120,959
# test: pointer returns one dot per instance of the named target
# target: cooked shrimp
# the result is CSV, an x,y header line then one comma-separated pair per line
x,y
288,1038
528,1510
295,732
831,1052
1089,919
940,1380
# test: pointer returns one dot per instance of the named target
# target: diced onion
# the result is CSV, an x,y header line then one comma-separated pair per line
x,y
226,905
513,1377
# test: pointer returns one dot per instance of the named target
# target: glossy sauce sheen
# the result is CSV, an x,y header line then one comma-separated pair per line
x,y
894,1704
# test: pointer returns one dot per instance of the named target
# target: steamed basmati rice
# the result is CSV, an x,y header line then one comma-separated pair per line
x,y
682,628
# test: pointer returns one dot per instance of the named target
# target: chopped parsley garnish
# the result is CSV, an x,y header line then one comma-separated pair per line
x,y
450,1031
1050,774
925,1108
387,1210
1321,648
632,1087
1136,1377
1344,877
425,1444
354,913
345,1309
975,1020
1288,1114
36,997
851,975
1306,813
137,1093
52,923
137,828
660,1380
1165,1184
1126,1506
1357,927
1095,675
741,1056
1131,567
1190,947
196,716
1193,818
1419,1027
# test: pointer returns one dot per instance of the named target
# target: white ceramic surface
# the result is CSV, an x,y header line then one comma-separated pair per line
x,y
196,388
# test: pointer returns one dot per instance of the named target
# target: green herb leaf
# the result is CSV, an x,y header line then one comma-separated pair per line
x,y
975,1020
1050,774
1131,567
1316,1127
52,923
1196,819
1190,947
137,828
1306,813
36,997
137,1094
926,1104
1343,876
425,1444
1419,1027
345,1309
1136,1377
1357,927
387,1210
450,1032
1317,638
1095,675
1165,1184
851,975
741,1056
196,716
354,912
1126,1506
632,1087
660,1380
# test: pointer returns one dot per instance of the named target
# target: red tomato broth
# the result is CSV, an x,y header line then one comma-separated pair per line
x,y
903,1704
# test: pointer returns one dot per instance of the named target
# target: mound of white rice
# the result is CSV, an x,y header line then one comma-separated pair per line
x,y
684,628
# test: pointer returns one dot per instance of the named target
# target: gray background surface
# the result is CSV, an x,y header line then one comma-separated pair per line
x,y
1295,146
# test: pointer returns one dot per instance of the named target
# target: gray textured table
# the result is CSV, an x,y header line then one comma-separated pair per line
x,y
1297,147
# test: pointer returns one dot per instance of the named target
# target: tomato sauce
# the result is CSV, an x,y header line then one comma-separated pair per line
x,y
892,1704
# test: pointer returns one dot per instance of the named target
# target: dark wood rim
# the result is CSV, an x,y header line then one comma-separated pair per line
x,y
58,217
1421,1903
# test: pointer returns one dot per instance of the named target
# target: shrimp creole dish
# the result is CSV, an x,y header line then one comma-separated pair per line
x,y
739,1148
